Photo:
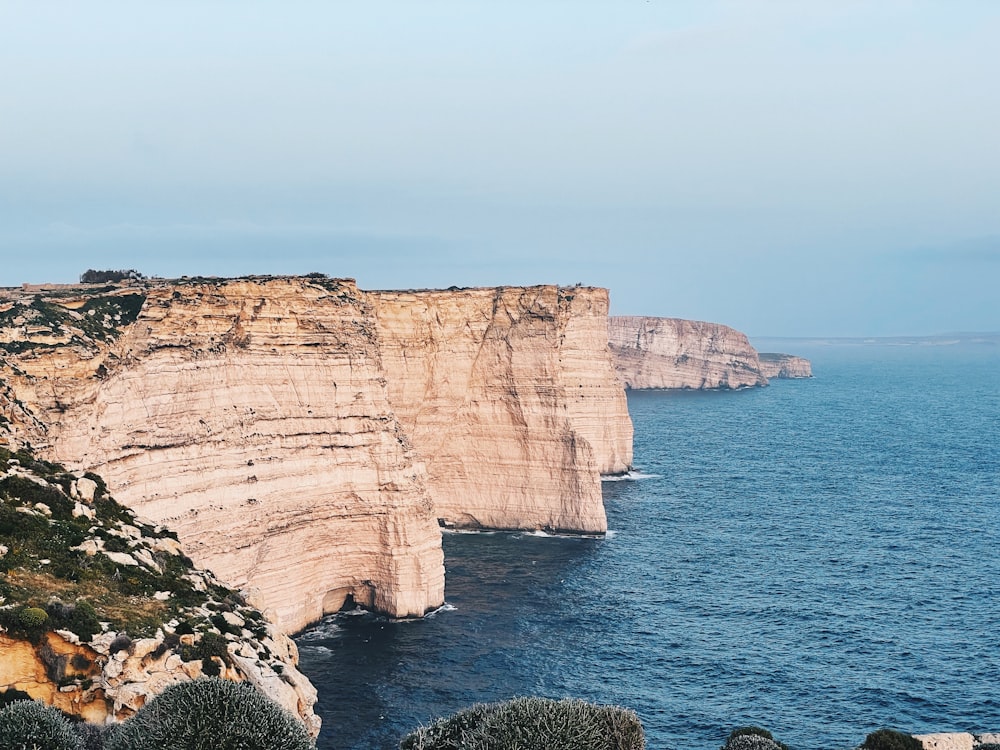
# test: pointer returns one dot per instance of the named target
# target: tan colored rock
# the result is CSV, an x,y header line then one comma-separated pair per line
x,y
280,465
989,738
774,365
121,558
166,544
651,353
81,510
947,741
87,489
283,427
492,388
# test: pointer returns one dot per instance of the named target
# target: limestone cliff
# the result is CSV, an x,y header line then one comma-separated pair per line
x,y
252,418
303,436
675,353
509,396
774,365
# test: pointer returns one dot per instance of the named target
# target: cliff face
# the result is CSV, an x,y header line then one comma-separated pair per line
x,y
303,437
252,418
774,365
509,396
675,353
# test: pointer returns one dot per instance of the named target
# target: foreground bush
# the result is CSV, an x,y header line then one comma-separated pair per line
x,y
752,738
890,739
29,725
210,714
532,724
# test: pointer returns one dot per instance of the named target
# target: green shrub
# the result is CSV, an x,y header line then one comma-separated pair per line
x,y
79,618
33,617
532,724
29,725
210,714
890,739
91,735
752,738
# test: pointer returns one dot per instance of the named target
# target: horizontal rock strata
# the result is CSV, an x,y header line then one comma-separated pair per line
x,y
509,396
252,418
673,353
304,437
774,365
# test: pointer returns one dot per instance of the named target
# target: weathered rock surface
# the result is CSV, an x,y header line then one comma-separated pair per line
x,y
675,353
774,365
509,397
303,437
86,680
252,418
98,632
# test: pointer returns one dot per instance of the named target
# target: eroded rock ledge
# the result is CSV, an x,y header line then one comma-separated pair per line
x,y
303,437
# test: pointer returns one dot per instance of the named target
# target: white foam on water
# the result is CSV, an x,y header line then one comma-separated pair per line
x,y
325,629
629,476
450,530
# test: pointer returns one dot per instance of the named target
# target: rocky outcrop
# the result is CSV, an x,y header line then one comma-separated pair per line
x,y
101,610
675,353
773,365
89,681
303,437
509,397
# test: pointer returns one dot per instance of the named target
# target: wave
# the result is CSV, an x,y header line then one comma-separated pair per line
x,y
629,476
325,628
555,535
453,530
446,607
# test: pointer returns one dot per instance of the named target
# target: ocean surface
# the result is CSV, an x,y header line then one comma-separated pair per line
x,y
819,557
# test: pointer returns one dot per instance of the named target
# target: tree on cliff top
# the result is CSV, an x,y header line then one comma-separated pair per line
x,y
90,276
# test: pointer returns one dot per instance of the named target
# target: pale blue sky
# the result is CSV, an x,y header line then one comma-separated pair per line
x,y
799,167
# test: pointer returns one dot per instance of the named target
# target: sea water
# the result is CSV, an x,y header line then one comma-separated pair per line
x,y
819,557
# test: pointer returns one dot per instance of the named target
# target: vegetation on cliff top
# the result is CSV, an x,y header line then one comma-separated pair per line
x,y
47,321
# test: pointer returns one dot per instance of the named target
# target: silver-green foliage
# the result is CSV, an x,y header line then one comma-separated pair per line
x,y
532,724
29,725
210,714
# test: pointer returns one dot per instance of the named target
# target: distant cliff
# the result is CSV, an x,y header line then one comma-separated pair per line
x,y
651,353
774,365
304,437
509,397
675,353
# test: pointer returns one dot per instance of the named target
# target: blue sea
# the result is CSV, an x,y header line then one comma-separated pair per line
x,y
819,557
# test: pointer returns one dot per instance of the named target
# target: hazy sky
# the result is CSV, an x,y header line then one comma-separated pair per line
x,y
794,167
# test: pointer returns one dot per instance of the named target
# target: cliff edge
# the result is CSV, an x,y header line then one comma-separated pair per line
x,y
304,437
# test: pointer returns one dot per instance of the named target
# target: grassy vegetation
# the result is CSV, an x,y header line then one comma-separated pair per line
x,y
101,318
50,582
